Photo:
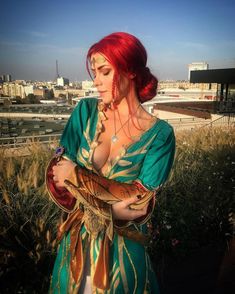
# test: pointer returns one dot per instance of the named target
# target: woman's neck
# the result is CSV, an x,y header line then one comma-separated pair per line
x,y
127,105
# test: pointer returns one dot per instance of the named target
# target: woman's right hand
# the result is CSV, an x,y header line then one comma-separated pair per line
x,y
122,211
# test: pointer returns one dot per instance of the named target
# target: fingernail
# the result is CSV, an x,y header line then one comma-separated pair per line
x,y
139,196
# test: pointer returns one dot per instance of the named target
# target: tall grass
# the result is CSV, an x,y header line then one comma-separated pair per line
x,y
193,210
28,223
196,207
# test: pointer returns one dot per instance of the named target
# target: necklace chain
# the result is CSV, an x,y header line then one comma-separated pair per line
x,y
114,137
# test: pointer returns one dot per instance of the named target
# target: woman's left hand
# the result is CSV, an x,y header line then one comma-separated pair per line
x,y
121,210
61,171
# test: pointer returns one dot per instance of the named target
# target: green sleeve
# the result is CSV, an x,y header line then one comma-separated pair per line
x,y
72,134
159,159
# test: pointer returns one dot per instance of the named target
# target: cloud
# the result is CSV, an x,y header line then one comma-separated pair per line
x,y
37,34
35,47
193,45
33,33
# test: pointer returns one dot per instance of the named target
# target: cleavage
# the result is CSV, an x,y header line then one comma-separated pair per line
x,y
106,152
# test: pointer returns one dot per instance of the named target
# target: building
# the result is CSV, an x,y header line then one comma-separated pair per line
x,y
29,90
6,78
13,90
62,81
225,78
197,66
86,85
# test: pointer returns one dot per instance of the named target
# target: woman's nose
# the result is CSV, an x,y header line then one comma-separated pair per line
x,y
97,81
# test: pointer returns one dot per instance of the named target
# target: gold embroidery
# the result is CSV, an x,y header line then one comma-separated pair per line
x,y
121,264
123,162
116,284
85,153
115,277
65,252
132,264
141,150
86,133
132,171
81,159
93,224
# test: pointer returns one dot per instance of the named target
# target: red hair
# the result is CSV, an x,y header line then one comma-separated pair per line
x,y
128,56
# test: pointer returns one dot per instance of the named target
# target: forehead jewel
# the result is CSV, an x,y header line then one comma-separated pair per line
x,y
99,59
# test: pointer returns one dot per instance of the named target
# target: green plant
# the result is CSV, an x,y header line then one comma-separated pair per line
x,y
28,224
195,208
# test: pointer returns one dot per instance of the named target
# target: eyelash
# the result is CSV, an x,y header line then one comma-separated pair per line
x,y
106,73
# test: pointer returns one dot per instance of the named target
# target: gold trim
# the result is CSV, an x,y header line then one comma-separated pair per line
x,y
132,264
126,172
146,274
121,264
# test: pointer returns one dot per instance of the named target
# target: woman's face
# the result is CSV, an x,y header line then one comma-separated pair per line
x,y
103,73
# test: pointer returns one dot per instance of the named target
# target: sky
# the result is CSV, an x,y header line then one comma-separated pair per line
x,y
34,34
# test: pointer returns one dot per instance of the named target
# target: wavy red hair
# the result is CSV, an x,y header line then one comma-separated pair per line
x,y
128,56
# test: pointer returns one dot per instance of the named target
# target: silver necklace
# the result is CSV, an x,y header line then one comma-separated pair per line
x,y
114,137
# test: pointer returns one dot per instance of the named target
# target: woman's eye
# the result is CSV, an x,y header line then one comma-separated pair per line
x,y
106,73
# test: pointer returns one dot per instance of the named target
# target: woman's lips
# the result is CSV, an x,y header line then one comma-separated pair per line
x,y
101,92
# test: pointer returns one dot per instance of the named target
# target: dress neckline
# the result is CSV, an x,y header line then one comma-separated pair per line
x,y
111,163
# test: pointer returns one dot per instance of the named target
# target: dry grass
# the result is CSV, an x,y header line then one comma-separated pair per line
x,y
194,209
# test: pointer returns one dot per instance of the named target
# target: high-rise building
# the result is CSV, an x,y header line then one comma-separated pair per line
x,y
8,78
62,81
197,66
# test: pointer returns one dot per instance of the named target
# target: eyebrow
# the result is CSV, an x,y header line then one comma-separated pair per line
x,y
100,67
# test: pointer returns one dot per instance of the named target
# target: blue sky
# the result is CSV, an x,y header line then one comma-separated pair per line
x,y
33,34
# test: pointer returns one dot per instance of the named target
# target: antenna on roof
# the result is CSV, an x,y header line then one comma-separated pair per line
x,y
57,70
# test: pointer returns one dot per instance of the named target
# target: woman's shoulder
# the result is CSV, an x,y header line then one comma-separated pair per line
x,y
86,106
163,129
88,102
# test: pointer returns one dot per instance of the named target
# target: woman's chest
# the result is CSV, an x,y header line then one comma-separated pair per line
x,y
111,141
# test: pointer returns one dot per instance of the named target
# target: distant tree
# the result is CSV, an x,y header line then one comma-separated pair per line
x,y
19,100
7,102
62,96
52,94
32,99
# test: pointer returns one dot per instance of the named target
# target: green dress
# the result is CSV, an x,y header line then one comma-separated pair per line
x,y
148,160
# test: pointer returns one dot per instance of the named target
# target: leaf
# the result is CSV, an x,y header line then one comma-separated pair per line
x,y
85,153
124,162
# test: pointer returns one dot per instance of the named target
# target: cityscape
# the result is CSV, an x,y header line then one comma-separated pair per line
x,y
41,108
61,87
190,237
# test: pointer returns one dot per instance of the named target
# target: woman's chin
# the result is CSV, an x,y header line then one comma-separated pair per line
x,y
106,100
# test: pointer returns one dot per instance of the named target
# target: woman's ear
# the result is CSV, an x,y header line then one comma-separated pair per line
x,y
131,76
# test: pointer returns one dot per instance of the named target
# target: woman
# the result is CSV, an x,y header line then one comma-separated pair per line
x,y
114,159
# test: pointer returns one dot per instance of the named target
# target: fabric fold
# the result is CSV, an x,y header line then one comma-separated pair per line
x,y
88,198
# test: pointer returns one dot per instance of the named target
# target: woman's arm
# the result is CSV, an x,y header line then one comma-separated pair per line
x,y
65,173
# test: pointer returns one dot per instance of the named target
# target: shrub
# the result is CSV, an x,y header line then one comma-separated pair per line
x,y
28,223
195,208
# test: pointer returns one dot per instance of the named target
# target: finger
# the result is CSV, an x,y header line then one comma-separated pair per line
x,y
132,200
136,213
58,185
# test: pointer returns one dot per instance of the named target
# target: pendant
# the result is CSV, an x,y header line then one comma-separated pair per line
x,y
114,138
